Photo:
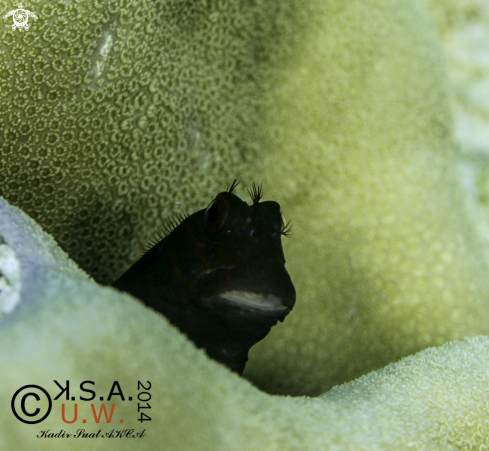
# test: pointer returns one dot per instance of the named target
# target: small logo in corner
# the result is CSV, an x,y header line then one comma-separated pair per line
x,y
20,16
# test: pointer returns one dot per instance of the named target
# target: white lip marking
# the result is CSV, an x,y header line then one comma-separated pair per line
x,y
254,300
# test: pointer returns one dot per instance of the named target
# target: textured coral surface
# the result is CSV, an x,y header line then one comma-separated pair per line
x,y
464,31
115,114
436,399
384,254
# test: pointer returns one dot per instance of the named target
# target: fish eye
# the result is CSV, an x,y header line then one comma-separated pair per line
x,y
215,214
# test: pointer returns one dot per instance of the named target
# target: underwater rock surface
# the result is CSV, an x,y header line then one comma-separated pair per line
x,y
67,327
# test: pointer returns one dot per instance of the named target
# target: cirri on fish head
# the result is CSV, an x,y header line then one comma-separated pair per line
x,y
219,276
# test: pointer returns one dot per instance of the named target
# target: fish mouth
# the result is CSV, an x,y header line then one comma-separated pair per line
x,y
264,302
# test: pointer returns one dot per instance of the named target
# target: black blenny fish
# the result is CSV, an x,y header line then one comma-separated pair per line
x,y
219,275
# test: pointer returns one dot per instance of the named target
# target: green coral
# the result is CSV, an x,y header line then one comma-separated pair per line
x,y
385,255
140,109
464,32
436,399
115,115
